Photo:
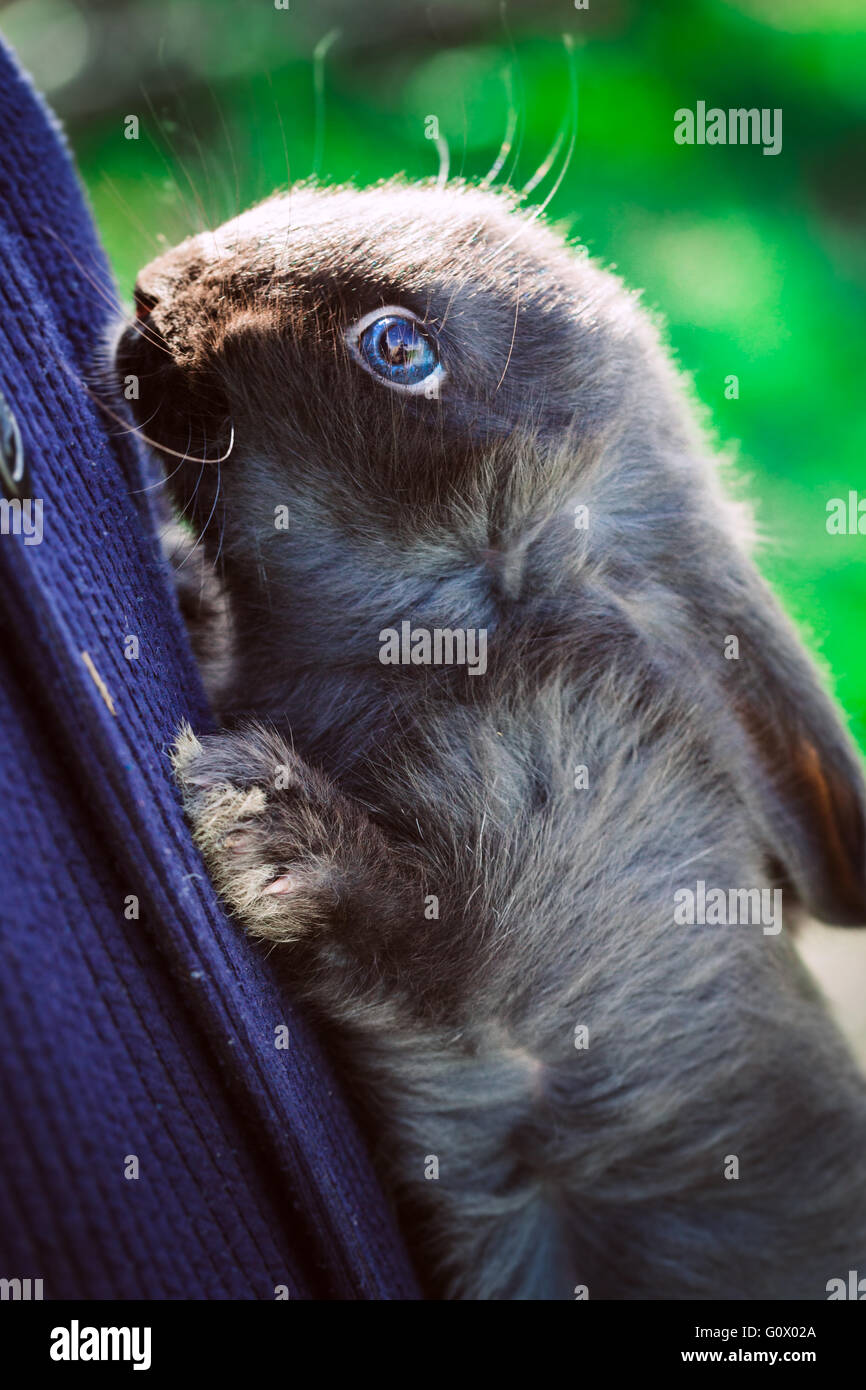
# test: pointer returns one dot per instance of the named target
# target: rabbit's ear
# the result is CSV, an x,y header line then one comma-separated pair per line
x,y
801,776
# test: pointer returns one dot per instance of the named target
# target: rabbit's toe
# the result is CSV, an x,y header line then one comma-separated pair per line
x,y
251,806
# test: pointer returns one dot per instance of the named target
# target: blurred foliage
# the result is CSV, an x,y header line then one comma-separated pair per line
x,y
758,263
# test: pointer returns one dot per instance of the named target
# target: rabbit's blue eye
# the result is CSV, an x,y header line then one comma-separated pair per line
x,y
397,349
392,345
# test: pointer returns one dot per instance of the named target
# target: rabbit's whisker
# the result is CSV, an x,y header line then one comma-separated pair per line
x,y
508,139
542,207
320,53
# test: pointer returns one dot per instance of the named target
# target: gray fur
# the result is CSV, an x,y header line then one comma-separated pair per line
x,y
558,1166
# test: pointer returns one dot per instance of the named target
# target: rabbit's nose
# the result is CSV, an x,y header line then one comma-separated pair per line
x,y
144,303
169,278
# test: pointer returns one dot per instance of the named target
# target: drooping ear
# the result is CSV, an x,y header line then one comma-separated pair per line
x,y
799,773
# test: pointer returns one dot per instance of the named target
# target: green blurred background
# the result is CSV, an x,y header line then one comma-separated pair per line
x,y
758,263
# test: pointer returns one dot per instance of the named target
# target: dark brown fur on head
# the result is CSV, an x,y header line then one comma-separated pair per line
x,y
607,647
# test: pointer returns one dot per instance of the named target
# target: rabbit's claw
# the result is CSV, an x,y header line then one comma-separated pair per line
x,y
260,818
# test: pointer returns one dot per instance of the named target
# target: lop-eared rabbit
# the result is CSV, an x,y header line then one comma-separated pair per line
x,y
520,763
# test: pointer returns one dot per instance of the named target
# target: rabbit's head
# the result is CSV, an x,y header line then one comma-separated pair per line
x,y
418,403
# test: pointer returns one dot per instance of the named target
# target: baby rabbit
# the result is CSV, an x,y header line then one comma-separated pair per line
x,y
502,694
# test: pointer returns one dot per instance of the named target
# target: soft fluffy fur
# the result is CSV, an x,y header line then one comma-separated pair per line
x,y
355,791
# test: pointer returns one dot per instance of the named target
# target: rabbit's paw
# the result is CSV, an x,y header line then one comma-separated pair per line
x,y
262,820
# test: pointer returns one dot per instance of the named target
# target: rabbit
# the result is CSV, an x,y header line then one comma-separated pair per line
x,y
413,410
